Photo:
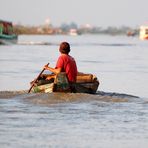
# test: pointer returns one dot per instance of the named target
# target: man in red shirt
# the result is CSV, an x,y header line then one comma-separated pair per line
x,y
65,63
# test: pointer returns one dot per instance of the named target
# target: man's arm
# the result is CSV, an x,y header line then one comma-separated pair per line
x,y
54,70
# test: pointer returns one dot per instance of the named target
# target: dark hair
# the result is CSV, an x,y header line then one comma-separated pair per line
x,y
64,47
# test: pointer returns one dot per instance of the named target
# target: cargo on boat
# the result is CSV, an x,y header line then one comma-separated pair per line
x,y
85,83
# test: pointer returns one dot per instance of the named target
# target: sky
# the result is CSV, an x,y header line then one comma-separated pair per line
x,y
100,13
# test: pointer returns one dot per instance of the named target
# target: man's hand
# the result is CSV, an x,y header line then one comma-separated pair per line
x,y
46,67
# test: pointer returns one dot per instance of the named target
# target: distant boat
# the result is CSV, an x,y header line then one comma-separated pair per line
x,y
7,35
143,35
131,33
73,32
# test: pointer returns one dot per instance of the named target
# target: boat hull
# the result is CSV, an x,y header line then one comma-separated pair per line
x,y
85,84
79,88
8,39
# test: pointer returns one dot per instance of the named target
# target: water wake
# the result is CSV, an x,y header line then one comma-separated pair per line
x,y
76,44
55,98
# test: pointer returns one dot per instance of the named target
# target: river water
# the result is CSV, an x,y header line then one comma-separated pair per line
x,y
115,117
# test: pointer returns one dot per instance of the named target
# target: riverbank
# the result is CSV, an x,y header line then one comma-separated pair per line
x,y
67,30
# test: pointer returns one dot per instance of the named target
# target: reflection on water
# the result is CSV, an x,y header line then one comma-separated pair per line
x,y
72,120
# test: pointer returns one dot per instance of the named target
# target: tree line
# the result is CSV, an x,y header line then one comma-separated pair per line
x,y
65,29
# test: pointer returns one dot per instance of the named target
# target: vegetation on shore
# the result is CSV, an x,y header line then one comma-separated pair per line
x,y
66,28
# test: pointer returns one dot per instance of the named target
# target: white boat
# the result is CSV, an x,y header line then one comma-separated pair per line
x,y
143,34
73,32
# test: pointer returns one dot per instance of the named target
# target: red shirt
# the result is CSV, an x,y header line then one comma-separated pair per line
x,y
68,65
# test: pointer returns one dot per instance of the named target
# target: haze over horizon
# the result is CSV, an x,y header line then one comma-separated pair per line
x,y
94,12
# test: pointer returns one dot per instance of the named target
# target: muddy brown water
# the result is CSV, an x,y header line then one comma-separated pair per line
x,y
72,120
115,117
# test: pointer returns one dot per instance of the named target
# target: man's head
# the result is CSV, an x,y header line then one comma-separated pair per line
x,y
64,48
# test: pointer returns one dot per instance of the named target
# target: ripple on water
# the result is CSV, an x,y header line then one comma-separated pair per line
x,y
47,120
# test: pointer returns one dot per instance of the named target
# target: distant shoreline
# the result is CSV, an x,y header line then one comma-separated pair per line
x,y
50,30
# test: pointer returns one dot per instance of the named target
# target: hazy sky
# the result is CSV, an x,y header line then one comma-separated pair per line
x,y
95,12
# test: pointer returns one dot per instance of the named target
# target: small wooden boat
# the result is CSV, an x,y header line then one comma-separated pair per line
x,y
86,83
7,35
